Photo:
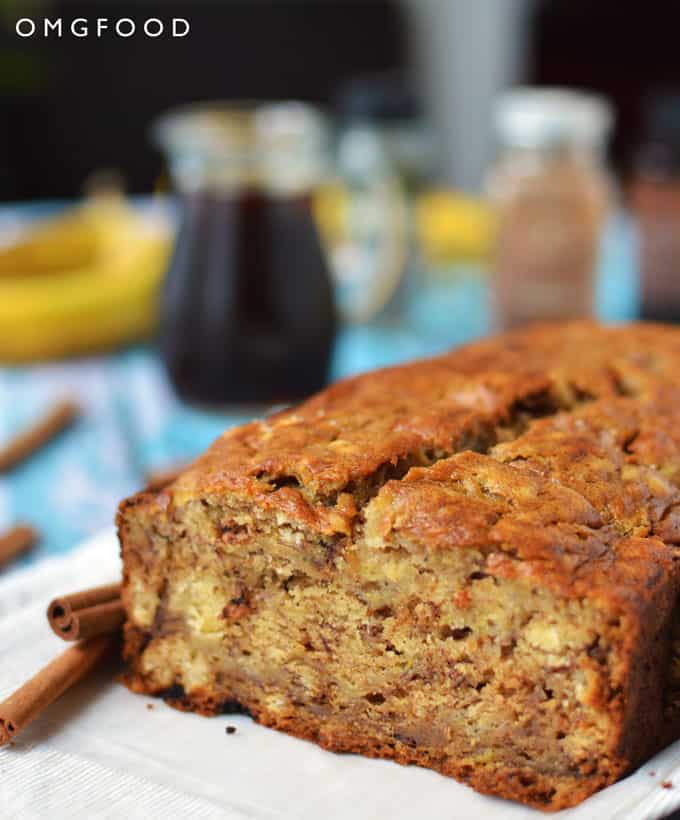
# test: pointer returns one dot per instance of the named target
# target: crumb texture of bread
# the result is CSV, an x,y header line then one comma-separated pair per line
x,y
468,563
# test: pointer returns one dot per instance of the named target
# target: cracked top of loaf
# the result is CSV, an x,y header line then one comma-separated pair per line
x,y
318,464
553,451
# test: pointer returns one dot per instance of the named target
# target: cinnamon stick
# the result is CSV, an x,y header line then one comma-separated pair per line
x,y
31,699
83,615
27,442
17,540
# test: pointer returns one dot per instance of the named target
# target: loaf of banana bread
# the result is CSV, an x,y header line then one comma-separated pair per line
x,y
467,563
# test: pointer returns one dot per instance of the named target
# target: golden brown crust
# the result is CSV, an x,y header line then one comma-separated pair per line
x,y
350,430
549,456
525,523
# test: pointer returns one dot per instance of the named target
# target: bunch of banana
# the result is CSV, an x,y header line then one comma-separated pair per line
x,y
84,281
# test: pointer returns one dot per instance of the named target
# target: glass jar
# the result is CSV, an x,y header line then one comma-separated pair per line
x,y
385,154
550,190
247,310
655,198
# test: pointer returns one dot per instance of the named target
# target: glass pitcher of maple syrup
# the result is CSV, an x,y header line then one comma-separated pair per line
x,y
247,308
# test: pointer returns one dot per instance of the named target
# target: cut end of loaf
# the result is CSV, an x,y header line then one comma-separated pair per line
x,y
453,664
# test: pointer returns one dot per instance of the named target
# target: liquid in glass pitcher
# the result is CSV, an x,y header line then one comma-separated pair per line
x,y
247,310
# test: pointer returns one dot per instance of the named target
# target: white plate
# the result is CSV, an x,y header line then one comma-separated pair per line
x,y
100,753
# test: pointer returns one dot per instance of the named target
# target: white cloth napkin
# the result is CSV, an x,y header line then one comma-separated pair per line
x,y
101,753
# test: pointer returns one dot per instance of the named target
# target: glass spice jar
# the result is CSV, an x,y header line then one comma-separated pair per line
x,y
655,199
550,190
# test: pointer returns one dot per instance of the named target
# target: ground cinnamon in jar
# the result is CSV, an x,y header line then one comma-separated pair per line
x,y
550,190
655,200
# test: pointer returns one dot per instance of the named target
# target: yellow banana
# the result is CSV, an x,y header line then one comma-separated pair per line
x,y
64,243
108,299
453,227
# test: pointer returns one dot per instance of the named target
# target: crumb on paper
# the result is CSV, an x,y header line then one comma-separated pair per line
x,y
149,705
652,774
230,730
666,784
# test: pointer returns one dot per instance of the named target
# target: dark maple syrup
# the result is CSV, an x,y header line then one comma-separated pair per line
x,y
247,313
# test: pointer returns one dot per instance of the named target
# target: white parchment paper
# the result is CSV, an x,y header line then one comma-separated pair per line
x,y
101,753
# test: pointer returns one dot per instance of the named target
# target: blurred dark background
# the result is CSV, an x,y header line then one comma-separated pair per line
x,y
71,105
622,48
